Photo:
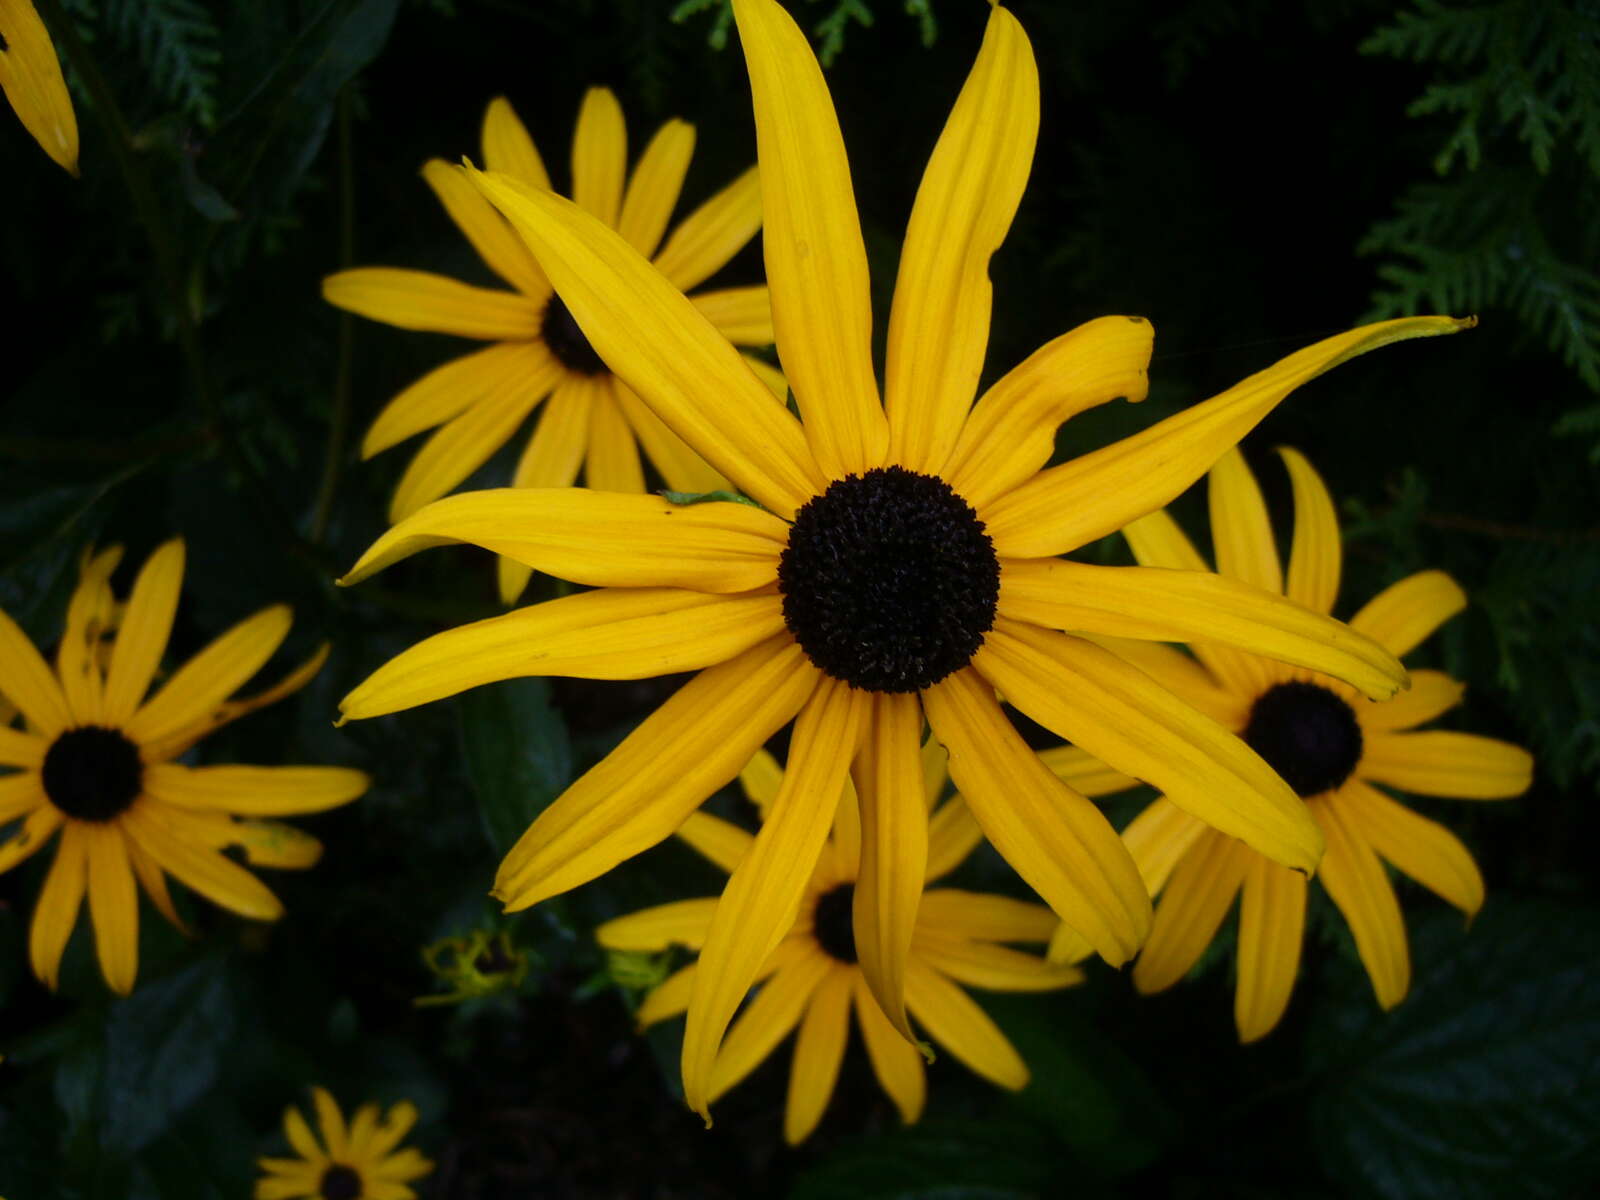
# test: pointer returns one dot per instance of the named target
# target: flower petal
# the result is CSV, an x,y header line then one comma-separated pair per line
x,y
894,848
1356,882
22,792
1316,556
895,1061
155,884
612,462
206,871
551,459
642,791
600,155
815,258
662,348
761,780
818,1051
56,910
275,844
113,905
743,315
1189,680
508,148
767,1020
1071,505
397,1122
722,842
433,304
331,1121
994,968
1431,694
37,829
1011,432
18,748
954,1021
953,833
1084,773
451,389
598,539
1241,531
175,743
1196,899
653,190
500,248
1272,917
1439,762
254,791
1418,847
712,234
1158,839
1093,699
1054,838
1163,605
142,636
680,923
78,656
670,998
30,75
681,468
939,325
301,1138
954,913
1405,613
762,898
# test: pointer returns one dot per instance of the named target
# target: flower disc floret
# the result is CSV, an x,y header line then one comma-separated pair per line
x,y
833,923
889,580
92,773
340,1182
566,341
1307,734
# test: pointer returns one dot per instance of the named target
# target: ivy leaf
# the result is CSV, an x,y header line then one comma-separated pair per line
x,y
518,755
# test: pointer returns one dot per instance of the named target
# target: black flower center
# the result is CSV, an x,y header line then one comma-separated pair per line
x,y
566,340
889,581
340,1182
834,922
1307,734
92,773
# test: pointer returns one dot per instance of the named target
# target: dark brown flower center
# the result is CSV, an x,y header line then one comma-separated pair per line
x,y
834,922
92,773
889,580
566,340
1307,734
340,1182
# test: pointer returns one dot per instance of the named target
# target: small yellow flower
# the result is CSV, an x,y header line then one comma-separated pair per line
x,y
94,761
592,421
360,1162
30,75
1329,744
813,978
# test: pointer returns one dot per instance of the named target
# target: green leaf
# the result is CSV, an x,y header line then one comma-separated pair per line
x,y
706,498
940,1160
517,752
1482,1084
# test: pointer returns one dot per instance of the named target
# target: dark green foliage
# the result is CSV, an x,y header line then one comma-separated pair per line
x,y
830,30
177,45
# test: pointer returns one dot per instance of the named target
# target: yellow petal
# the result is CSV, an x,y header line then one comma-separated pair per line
x,y
142,637
1159,838
331,1121
56,910
994,968
155,884
397,1122
486,229
156,750
1439,762
939,325
507,146
78,656
26,680
113,906
1431,694
274,1187
662,348
1272,917
408,1164
762,897
681,923
301,1138
1317,555
197,688
767,1020
816,261
1163,605
361,1127
743,315
451,389
1095,700
1011,432
653,190
954,1021
954,913
712,234
30,76
1418,847
1189,680
613,633
953,833
612,463
895,1061
681,468
894,848
598,539
37,828
723,842
761,780
1085,773
1405,613
551,459
1196,899
600,155
1356,882
641,792
818,1051
433,304
1071,505
22,792
776,383
206,871
1241,531
1054,838
254,791
275,844
668,999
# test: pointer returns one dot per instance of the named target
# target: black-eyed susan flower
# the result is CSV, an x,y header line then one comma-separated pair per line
x,y
361,1161
812,979
95,761
900,565
591,421
30,76
1330,745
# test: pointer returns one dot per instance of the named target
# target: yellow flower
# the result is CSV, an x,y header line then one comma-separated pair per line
x,y
1328,743
593,422
94,761
358,1163
30,75
901,565
813,978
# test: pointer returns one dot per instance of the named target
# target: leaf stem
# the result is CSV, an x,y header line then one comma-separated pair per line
x,y
339,427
